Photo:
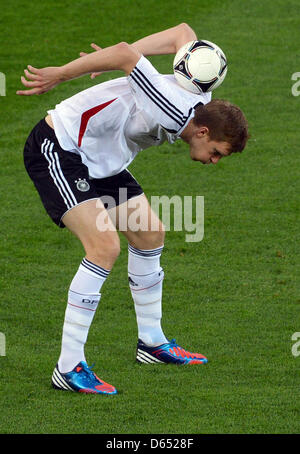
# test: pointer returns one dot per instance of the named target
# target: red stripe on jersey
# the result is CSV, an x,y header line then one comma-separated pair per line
x,y
87,115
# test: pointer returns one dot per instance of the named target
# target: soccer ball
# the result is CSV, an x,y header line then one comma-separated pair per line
x,y
200,66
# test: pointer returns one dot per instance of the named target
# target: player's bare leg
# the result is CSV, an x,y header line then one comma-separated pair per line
x,y
102,249
145,246
101,242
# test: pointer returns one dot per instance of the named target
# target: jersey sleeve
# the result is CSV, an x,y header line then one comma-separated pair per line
x,y
154,95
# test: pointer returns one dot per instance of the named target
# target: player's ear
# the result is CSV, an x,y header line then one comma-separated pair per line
x,y
202,131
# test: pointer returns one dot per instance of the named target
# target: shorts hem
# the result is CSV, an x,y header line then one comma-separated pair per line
x,y
60,223
130,198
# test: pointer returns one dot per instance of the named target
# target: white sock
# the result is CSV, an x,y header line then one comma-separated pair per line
x,y
145,282
83,298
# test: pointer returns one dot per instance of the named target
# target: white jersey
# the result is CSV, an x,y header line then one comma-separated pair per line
x,y
109,123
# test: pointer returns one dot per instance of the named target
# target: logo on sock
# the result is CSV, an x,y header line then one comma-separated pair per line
x,y
131,282
87,301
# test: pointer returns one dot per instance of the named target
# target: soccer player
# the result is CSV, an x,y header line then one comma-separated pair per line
x,y
78,155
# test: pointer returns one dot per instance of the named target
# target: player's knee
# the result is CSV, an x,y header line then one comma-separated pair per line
x,y
149,240
155,237
159,232
111,249
159,236
104,249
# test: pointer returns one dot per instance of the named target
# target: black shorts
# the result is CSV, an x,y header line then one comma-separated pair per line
x,y
63,181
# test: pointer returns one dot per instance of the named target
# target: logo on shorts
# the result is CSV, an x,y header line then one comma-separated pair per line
x,y
82,185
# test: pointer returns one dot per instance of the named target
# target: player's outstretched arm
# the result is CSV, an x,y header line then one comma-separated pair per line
x,y
167,41
122,57
82,54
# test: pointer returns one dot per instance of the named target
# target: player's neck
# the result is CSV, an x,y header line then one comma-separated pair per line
x,y
188,132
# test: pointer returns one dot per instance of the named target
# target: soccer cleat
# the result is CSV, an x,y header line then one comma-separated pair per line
x,y
169,353
81,379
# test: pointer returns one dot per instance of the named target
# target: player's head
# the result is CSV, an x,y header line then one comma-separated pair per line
x,y
219,128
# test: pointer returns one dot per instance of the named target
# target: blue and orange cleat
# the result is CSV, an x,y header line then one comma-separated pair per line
x,y
169,353
81,379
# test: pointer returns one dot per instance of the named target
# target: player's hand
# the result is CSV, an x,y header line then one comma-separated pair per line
x,y
82,54
40,80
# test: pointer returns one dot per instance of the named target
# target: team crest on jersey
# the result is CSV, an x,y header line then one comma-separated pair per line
x,y
82,185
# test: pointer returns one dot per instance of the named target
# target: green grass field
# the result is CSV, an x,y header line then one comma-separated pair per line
x,y
233,296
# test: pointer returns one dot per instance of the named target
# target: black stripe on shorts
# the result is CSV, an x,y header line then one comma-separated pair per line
x,y
63,181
